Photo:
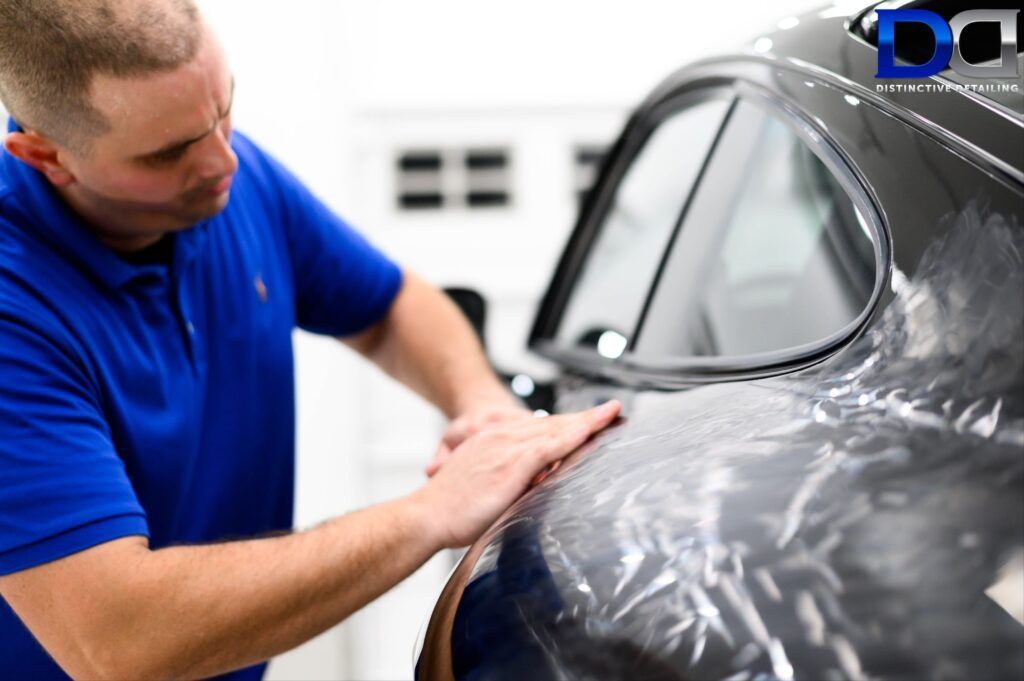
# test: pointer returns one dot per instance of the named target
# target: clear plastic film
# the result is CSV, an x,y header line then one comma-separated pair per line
x,y
860,519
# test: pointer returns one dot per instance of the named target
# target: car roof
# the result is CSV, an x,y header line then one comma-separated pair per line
x,y
825,45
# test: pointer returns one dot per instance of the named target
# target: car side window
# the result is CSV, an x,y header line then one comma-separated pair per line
x,y
773,252
611,288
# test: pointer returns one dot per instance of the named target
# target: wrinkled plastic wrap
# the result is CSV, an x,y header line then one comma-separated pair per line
x,y
861,519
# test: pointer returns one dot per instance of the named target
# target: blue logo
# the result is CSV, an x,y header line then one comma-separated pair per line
x,y
947,43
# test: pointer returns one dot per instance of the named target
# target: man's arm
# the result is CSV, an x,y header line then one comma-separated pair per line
x,y
426,343
121,610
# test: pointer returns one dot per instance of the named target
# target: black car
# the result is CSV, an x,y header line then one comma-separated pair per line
x,y
809,296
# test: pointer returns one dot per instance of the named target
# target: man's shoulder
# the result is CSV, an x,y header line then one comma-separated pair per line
x,y
19,256
28,270
245,145
10,207
263,181
26,314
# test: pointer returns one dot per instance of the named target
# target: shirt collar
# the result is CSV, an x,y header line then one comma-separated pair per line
x,y
66,232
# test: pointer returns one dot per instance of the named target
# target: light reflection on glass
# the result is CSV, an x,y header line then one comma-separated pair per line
x,y
611,344
522,385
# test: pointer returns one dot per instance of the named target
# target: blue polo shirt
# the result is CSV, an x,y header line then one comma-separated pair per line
x,y
158,399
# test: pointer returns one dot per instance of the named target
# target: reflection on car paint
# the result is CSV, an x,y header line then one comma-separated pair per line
x,y
860,519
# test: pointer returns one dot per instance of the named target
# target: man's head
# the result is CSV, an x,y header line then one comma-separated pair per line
x,y
125,106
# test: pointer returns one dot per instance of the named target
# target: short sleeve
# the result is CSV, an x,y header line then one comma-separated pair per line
x,y
63,487
343,284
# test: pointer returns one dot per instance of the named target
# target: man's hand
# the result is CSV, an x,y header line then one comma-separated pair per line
x,y
471,423
490,470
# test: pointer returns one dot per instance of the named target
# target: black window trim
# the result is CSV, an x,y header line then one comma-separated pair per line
x,y
683,212
671,371
610,173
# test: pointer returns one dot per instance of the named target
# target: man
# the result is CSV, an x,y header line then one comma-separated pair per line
x,y
146,388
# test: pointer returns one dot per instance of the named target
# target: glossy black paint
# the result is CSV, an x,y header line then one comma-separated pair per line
x,y
857,513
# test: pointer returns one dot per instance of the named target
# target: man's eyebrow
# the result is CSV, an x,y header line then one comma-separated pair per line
x,y
181,144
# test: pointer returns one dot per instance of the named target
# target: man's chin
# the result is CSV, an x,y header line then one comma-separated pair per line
x,y
203,209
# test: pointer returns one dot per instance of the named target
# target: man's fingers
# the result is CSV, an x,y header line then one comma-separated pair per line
x,y
441,456
550,439
457,432
595,418
575,430
592,420
603,414
465,427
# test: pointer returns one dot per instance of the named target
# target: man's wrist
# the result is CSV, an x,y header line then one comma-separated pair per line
x,y
491,394
421,519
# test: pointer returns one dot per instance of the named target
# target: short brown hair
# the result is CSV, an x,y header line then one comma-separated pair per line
x,y
50,50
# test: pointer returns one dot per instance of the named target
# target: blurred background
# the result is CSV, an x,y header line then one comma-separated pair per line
x,y
459,137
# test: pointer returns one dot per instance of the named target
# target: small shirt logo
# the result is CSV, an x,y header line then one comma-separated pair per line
x,y
261,288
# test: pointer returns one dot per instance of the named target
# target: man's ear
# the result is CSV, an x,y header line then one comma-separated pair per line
x,y
41,154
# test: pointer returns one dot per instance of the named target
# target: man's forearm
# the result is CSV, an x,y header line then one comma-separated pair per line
x,y
426,343
203,610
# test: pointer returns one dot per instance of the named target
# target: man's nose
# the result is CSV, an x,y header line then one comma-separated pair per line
x,y
217,159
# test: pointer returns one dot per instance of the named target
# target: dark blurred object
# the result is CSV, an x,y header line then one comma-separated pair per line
x,y
535,395
474,306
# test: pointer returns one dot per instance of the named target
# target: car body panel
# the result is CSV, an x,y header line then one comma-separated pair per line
x,y
844,522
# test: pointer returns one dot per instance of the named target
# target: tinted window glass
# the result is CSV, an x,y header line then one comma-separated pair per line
x,y
772,253
610,291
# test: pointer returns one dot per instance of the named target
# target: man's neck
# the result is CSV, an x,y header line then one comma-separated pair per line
x,y
117,229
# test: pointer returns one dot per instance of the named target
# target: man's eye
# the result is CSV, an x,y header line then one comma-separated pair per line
x,y
167,157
